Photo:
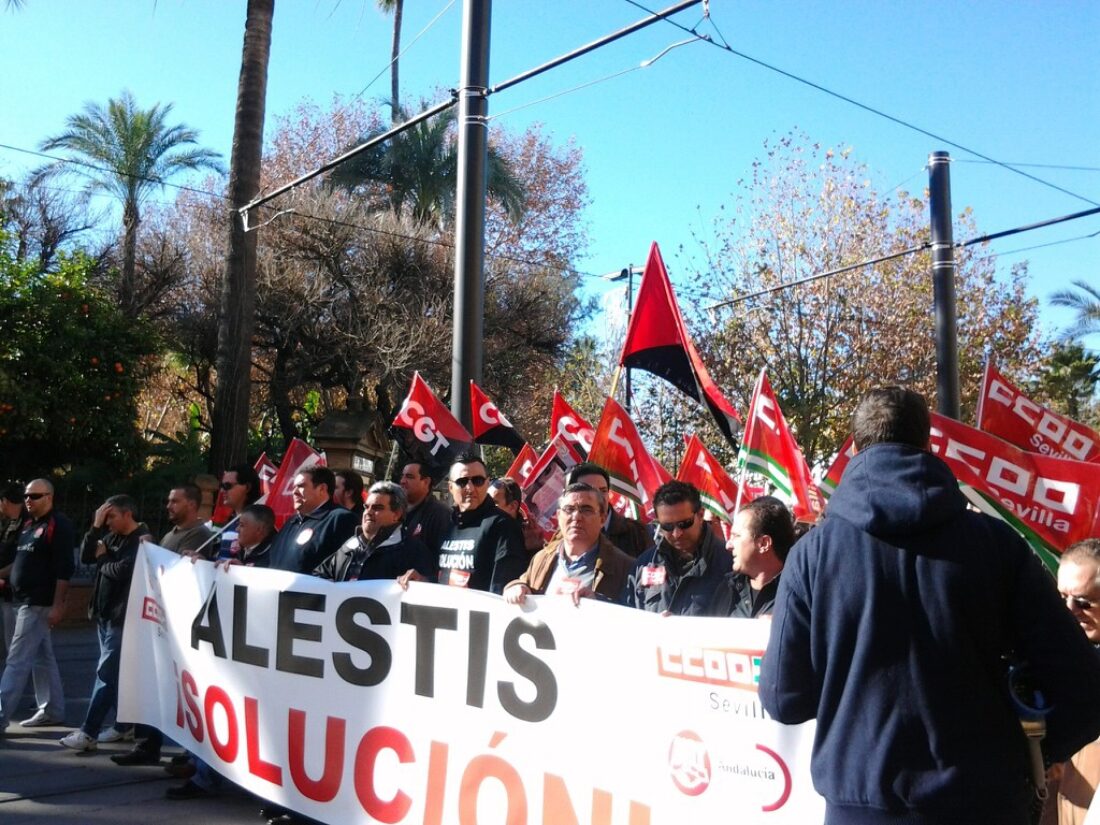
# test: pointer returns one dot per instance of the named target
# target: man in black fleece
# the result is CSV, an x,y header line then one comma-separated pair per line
x,y
892,626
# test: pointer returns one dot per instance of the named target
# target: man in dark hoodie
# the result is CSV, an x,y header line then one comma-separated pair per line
x,y
892,627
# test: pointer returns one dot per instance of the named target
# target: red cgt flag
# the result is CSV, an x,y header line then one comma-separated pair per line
x,y
618,448
298,457
567,422
702,470
427,431
490,425
770,449
658,342
1009,414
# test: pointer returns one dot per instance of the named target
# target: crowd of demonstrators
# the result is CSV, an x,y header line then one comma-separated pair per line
x,y
428,518
761,535
37,562
891,626
580,561
681,573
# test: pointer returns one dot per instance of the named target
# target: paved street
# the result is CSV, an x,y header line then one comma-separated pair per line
x,y
42,782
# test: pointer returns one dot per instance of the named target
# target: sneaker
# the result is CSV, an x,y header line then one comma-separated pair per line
x,y
78,740
41,720
116,735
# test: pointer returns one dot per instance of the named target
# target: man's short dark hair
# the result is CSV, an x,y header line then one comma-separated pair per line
x,y
511,488
676,492
262,515
768,516
894,415
469,458
319,474
13,493
399,499
125,503
423,470
587,468
247,475
353,483
581,487
191,492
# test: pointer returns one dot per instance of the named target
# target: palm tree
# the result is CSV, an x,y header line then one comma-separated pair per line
x,y
127,152
1086,303
397,7
237,315
419,167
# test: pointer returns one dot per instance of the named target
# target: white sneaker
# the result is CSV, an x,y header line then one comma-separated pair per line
x,y
40,720
116,735
78,740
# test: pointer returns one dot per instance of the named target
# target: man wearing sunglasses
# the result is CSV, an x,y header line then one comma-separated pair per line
x,y
39,574
483,549
680,575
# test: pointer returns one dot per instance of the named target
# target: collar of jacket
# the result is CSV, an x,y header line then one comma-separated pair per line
x,y
709,544
319,513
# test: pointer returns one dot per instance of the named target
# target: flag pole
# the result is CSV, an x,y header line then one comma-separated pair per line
x,y
615,380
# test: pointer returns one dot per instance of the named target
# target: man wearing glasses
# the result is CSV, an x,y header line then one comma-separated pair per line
x,y
483,549
681,573
39,575
581,561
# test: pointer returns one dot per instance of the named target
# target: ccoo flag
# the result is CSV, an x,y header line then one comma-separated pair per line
x,y
490,425
718,491
427,431
657,341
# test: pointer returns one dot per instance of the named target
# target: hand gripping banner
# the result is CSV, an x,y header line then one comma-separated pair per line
x,y
361,703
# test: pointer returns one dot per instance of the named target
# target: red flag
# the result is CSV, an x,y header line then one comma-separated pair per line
x,y
703,471
546,481
572,427
618,448
770,449
1009,414
427,431
1051,502
490,425
836,469
521,467
657,341
266,470
298,457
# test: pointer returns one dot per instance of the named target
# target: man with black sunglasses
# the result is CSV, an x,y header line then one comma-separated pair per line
x,y
483,549
681,573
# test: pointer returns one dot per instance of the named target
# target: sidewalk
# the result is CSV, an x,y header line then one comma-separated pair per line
x,y
40,781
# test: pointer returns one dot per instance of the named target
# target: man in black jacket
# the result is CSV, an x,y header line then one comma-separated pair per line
x,y
892,626
760,538
427,518
112,545
680,574
483,549
382,550
317,529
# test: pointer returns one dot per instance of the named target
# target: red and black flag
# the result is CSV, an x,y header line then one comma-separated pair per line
x,y
657,341
427,431
490,425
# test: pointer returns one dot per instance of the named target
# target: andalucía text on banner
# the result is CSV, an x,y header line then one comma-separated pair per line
x,y
618,448
718,491
490,425
1051,502
427,431
770,449
567,422
657,341
1009,414
360,702
298,457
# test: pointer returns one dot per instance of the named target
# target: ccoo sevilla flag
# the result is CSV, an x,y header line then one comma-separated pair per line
x,y
298,457
1009,414
657,341
427,431
618,448
702,470
490,425
769,448
568,423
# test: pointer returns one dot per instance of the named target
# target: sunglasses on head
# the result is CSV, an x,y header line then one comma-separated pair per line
x,y
34,496
477,481
672,525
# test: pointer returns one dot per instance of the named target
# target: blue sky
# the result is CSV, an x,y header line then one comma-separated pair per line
x,y
664,146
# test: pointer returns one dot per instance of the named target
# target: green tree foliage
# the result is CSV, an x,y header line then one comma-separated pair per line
x,y
1068,381
71,366
1084,299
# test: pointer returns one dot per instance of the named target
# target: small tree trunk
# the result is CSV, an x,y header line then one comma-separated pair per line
x,y
395,100
127,284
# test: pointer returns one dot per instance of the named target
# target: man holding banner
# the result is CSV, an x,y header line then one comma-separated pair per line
x,y
893,624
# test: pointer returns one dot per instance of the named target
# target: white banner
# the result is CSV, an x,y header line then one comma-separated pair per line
x,y
356,702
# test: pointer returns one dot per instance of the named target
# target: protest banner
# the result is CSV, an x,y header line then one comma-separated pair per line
x,y
1007,413
358,702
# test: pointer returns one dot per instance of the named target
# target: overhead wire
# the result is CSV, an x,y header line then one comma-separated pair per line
x,y
871,109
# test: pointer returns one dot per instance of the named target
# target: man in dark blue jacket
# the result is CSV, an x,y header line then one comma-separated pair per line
x,y
682,572
892,626
318,528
